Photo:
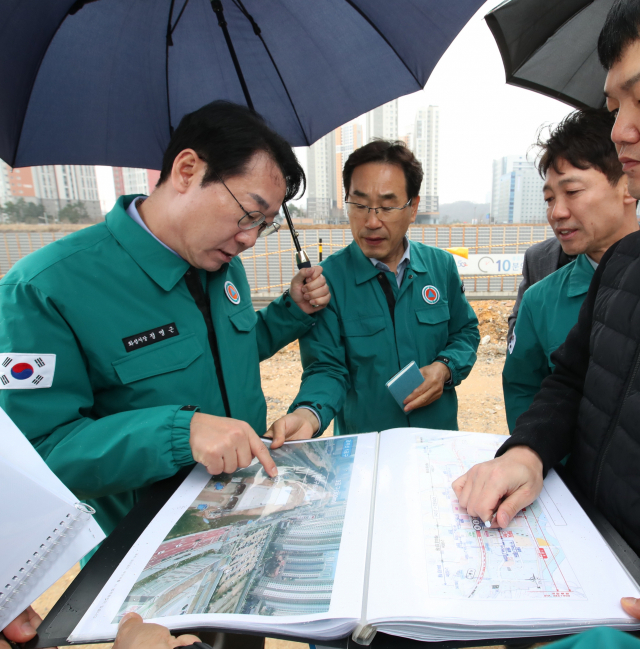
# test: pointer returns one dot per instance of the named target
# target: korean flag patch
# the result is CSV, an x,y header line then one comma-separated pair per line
x,y
26,371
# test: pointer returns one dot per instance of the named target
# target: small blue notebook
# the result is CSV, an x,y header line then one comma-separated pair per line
x,y
405,382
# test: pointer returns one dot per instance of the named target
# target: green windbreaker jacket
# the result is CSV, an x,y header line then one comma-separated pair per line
x,y
548,311
355,348
131,349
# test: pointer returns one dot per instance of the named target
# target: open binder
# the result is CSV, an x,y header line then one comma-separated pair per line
x,y
358,535
44,530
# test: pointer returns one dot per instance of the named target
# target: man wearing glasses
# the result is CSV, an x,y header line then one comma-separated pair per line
x,y
394,301
131,348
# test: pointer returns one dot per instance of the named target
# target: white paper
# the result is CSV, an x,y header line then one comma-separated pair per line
x,y
17,450
41,534
240,567
431,562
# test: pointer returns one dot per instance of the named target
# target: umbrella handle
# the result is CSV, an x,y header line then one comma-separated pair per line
x,y
302,259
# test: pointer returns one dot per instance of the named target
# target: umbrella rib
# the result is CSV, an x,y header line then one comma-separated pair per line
x,y
168,44
258,32
384,38
184,6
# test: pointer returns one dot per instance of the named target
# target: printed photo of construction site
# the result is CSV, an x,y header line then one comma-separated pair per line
x,y
252,544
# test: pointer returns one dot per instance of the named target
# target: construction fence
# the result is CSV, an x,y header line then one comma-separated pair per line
x,y
270,265
490,269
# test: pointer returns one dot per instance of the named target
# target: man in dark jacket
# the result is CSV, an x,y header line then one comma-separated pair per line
x,y
590,406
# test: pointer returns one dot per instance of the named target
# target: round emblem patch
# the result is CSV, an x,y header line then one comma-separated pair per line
x,y
512,342
232,293
430,294
21,371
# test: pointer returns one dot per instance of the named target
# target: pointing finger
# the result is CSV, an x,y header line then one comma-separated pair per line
x,y
260,451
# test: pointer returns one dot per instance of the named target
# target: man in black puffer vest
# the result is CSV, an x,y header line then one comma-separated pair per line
x,y
590,406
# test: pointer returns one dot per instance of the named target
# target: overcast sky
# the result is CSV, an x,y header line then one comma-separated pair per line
x,y
481,117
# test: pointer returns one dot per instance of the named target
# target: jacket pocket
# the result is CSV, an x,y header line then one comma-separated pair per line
x,y
434,314
362,326
167,357
244,320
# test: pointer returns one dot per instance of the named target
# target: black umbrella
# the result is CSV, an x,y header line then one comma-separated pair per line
x,y
550,46
105,81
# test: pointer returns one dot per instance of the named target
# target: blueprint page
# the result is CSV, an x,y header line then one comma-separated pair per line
x,y
431,560
247,551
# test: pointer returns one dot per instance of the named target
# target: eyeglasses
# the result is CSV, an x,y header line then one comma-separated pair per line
x,y
253,219
383,213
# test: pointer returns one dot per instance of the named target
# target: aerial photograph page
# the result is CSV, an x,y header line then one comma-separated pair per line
x,y
254,544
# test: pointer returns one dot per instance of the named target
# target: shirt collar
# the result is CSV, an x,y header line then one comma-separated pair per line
x,y
132,211
162,265
580,277
406,257
364,270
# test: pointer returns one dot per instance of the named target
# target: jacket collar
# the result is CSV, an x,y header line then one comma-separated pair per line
x,y
364,270
580,276
162,266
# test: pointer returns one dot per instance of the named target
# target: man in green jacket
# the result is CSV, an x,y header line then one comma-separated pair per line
x,y
131,348
589,209
393,302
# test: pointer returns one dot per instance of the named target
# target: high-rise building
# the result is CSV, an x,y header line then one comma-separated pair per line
x,y
46,182
55,186
517,195
348,139
5,188
21,183
325,160
426,149
382,122
321,179
129,180
58,185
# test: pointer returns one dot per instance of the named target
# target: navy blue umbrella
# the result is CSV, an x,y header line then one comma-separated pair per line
x,y
104,81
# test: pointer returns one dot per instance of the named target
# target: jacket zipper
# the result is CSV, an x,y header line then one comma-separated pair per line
x,y
204,305
612,427
383,280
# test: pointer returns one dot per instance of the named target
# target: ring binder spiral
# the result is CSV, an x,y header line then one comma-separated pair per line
x,y
44,531
51,545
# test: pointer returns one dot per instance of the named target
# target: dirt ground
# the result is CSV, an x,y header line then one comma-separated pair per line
x,y
480,406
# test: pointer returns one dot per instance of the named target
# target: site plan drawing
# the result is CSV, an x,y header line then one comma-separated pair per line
x,y
467,560
252,544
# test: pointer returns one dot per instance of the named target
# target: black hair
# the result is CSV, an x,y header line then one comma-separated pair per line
x,y
226,136
389,152
619,31
583,139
